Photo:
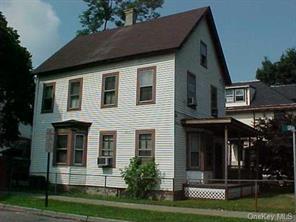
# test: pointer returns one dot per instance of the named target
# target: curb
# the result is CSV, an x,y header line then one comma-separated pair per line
x,y
56,215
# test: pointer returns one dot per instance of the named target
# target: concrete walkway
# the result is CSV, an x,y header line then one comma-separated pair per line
x,y
183,210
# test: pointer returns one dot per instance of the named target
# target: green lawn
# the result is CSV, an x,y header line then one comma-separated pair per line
x,y
275,202
27,200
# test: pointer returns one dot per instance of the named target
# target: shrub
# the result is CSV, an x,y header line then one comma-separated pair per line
x,y
140,178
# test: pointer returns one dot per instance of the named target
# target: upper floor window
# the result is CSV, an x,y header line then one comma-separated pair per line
x,y
235,95
146,85
75,94
203,54
108,145
214,101
109,90
239,95
48,98
229,95
145,144
191,90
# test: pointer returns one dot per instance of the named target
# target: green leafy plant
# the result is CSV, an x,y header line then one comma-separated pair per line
x,y
140,177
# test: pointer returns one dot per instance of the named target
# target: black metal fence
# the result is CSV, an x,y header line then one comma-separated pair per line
x,y
262,188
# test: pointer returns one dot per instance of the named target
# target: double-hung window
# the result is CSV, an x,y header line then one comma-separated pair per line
x,y
61,148
78,149
109,90
145,144
214,101
108,145
229,95
75,94
191,90
193,150
239,95
146,85
48,98
203,54
235,95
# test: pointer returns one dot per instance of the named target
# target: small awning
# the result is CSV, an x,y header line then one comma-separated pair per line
x,y
217,125
71,123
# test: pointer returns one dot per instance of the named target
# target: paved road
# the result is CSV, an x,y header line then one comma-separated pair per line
x,y
15,216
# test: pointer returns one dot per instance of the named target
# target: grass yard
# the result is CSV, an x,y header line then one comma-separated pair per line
x,y
275,202
27,200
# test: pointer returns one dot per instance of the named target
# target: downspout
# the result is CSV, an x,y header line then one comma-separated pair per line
x,y
36,81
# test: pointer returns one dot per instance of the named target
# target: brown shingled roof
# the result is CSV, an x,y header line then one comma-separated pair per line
x,y
161,35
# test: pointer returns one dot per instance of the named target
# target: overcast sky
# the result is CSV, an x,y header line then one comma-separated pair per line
x,y
248,30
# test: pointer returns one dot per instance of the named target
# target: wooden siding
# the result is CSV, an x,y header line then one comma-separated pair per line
x,y
125,119
188,59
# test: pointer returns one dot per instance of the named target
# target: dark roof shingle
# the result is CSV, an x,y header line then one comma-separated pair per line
x,y
265,96
159,35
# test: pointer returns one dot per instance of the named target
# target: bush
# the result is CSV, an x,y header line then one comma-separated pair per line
x,y
140,178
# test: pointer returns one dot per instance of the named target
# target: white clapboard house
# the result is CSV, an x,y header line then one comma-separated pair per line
x,y
152,89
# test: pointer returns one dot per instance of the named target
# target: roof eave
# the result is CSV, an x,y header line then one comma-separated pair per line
x,y
93,64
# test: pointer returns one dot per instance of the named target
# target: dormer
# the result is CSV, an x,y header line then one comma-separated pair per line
x,y
239,95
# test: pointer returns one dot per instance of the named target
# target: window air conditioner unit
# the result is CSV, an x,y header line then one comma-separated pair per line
x,y
191,101
105,161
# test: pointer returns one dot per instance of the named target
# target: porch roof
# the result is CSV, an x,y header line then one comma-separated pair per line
x,y
217,125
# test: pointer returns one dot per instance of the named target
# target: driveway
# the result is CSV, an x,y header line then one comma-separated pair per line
x,y
15,216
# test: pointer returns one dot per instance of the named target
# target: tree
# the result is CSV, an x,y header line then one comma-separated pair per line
x,y
16,84
280,72
275,146
101,13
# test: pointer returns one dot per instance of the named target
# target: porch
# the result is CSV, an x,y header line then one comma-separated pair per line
x,y
220,152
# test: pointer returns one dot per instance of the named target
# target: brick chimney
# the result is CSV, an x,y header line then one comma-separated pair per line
x,y
130,17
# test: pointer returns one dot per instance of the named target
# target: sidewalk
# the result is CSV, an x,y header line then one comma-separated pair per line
x,y
196,211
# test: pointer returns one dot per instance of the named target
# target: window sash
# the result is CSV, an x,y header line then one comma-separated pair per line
x,y
145,143
239,95
79,150
109,90
203,54
229,95
214,101
107,146
61,149
146,83
194,147
191,86
48,97
75,96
